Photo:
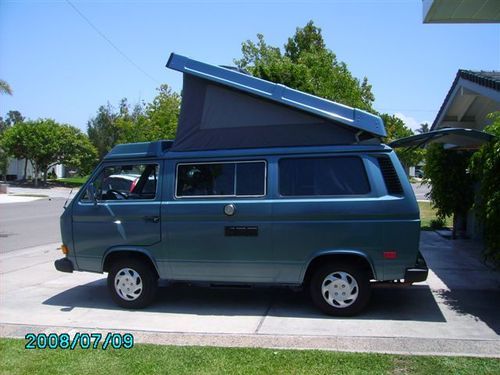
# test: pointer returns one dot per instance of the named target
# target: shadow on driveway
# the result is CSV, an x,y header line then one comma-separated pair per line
x,y
483,305
414,303
472,287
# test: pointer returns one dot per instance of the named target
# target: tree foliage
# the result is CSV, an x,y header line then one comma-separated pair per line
x,y
13,117
396,129
4,159
139,123
5,88
452,186
46,143
485,166
306,64
15,141
154,121
424,128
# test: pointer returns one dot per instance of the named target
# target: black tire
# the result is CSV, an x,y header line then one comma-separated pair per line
x,y
353,275
147,277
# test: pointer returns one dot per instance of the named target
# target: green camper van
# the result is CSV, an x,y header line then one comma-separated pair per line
x,y
263,185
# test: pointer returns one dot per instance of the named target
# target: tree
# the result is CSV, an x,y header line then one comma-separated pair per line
x,y
163,114
4,160
424,128
140,123
12,118
4,124
15,142
307,65
46,143
102,130
75,151
396,129
5,88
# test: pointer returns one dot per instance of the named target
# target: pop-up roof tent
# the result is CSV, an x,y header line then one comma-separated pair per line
x,y
224,108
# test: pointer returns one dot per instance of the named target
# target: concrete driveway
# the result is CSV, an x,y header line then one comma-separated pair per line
x,y
455,312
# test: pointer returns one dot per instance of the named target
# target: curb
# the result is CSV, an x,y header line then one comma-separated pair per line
x,y
384,345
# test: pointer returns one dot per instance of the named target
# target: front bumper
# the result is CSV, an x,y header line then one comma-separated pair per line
x,y
417,273
64,265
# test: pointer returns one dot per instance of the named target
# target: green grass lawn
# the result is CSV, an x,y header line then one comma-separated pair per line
x,y
427,213
146,359
72,181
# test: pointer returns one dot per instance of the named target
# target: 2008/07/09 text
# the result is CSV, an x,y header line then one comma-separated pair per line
x,y
81,340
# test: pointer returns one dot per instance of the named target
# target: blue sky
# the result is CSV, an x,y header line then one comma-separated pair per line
x,y
59,67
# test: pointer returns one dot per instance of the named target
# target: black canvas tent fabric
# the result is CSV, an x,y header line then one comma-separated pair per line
x,y
214,116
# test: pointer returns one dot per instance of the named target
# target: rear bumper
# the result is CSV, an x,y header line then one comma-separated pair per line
x,y
417,273
64,265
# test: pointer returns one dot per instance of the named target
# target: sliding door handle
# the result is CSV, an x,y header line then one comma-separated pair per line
x,y
151,219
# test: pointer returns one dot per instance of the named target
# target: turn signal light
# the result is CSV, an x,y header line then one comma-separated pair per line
x,y
64,249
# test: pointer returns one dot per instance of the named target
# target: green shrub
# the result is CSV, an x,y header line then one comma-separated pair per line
x,y
452,186
485,166
437,223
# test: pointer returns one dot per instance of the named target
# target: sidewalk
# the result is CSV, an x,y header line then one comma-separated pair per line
x,y
9,198
18,194
51,192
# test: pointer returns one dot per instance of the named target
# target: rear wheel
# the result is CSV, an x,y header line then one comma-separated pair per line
x,y
132,283
340,289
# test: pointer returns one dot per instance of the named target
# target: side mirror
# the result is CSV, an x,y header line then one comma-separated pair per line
x,y
92,193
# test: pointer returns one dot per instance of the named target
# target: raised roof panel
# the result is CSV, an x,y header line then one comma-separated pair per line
x,y
225,108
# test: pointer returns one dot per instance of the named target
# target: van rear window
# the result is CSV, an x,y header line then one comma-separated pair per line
x,y
242,179
329,176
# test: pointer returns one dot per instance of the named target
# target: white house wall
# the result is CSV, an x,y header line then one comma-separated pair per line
x,y
16,168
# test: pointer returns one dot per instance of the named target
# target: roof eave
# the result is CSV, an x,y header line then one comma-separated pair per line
x,y
463,79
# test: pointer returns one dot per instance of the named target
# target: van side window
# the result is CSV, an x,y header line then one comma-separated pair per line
x,y
322,176
126,182
221,179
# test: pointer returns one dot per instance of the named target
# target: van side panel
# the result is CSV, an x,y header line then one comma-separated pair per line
x,y
371,225
199,247
303,228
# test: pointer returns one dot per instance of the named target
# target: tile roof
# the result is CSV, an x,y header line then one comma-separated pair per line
x,y
490,79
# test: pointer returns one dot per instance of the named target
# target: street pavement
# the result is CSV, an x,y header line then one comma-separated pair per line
x,y
30,216
28,224
420,189
456,312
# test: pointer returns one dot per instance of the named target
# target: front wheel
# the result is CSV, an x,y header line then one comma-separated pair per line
x,y
340,289
132,283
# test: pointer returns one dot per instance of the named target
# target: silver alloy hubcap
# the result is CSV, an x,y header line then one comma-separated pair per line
x,y
340,289
128,284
